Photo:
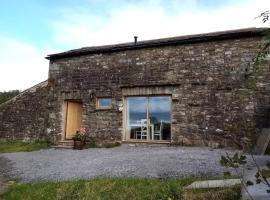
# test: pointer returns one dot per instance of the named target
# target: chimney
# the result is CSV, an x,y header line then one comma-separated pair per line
x,y
135,39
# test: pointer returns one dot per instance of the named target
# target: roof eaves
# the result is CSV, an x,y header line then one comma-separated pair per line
x,y
188,39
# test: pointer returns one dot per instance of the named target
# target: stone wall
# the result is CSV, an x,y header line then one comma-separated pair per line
x,y
25,116
210,103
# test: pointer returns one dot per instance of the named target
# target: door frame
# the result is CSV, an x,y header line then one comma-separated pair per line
x,y
66,114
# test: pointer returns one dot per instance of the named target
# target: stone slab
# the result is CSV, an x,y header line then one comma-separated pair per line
x,y
214,183
262,142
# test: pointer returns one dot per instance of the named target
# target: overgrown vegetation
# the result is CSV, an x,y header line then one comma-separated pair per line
x,y
5,96
113,188
260,57
16,146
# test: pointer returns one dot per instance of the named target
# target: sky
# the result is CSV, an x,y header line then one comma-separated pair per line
x,y
32,29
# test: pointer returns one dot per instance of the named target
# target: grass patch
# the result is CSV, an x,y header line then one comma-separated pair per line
x,y
16,146
101,188
110,189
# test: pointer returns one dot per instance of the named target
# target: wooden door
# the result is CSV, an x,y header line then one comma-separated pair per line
x,y
73,118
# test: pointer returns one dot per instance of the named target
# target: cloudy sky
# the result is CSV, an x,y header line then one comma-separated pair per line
x,y
31,29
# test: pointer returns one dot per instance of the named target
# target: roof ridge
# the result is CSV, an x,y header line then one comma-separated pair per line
x,y
202,37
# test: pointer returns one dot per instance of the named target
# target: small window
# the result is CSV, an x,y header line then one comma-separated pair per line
x,y
104,103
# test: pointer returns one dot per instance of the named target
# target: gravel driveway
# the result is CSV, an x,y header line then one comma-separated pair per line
x,y
123,161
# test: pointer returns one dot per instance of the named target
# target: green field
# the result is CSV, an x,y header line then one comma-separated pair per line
x,y
114,188
16,146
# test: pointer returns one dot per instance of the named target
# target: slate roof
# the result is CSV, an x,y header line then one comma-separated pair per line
x,y
186,39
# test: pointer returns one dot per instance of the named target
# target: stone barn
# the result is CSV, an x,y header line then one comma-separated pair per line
x,y
188,90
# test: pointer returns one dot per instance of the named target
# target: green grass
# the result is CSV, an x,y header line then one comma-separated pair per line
x,y
99,189
16,146
114,188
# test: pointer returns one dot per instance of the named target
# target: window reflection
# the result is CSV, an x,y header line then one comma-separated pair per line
x,y
160,117
104,103
149,118
136,117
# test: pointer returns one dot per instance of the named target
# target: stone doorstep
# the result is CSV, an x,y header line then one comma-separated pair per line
x,y
214,184
65,144
62,147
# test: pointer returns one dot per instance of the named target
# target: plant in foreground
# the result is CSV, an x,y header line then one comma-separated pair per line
x,y
79,138
237,160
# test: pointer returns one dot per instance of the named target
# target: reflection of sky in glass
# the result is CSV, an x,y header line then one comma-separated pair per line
x,y
159,103
137,104
105,102
136,109
159,108
156,109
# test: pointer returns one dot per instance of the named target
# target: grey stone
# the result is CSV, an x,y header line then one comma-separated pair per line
x,y
262,142
214,183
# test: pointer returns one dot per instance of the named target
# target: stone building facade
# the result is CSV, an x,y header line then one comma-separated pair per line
x,y
188,90
25,116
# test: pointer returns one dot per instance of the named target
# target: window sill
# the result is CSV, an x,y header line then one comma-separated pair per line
x,y
104,108
148,141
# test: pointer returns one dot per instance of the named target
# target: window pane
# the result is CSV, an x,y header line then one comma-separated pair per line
x,y
105,102
154,125
160,117
136,117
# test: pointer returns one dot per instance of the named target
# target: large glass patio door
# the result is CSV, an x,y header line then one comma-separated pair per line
x,y
148,118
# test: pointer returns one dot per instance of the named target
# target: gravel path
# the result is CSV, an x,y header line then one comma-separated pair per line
x,y
124,161
5,170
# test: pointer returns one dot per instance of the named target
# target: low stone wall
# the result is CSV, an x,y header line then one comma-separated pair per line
x,y
25,115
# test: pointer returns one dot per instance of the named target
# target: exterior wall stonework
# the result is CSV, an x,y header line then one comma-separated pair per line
x,y
26,115
210,104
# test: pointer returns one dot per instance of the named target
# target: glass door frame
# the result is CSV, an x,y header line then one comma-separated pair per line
x,y
126,133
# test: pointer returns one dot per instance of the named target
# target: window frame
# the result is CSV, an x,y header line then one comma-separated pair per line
x,y
126,133
99,107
